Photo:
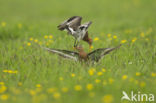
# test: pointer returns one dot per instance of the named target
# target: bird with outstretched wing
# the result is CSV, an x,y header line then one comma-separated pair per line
x,y
93,56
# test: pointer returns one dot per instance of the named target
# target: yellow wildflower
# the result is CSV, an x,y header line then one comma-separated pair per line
x,y
38,85
3,88
31,39
96,39
3,24
28,44
64,89
142,34
103,70
99,73
133,40
61,78
123,41
89,86
78,87
50,36
137,73
142,84
4,97
35,40
91,47
107,98
1,83
153,74
91,72
147,39
56,95
20,83
45,36
32,92
72,75
115,37
40,43
109,35
97,81
124,77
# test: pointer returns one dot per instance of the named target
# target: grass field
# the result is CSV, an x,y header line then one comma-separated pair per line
x,y
30,74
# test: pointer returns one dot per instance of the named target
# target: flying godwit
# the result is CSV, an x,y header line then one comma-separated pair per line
x,y
74,28
81,55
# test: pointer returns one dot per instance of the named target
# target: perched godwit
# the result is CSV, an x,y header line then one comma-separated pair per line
x,y
74,28
81,55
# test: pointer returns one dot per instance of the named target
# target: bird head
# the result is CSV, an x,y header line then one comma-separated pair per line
x,y
79,48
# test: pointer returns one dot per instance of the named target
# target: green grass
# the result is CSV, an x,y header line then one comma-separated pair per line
x,y
127,19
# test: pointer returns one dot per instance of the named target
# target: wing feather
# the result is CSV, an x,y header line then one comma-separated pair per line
x,y
97,54
73,22
64,53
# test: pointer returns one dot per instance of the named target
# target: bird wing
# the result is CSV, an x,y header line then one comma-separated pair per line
x,y
97,54
85,25
64,53
73,22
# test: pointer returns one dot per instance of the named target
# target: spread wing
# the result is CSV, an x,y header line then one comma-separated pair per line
x,y
85,25
97,54
64,53
73,22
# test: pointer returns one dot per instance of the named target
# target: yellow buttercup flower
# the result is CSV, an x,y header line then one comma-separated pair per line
x,y
142,34
91,72
32,92
72,75
50,36
107,98
28,44
137,73
99,73
123,41
89,86
3,88
133,40
78,87
153,74
45,36
115,37
1,83
61,78
109,35
142,84
97,81
124,77
35,40
3,24
96,39
103,70
56,95
31,39
38,85
4,97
